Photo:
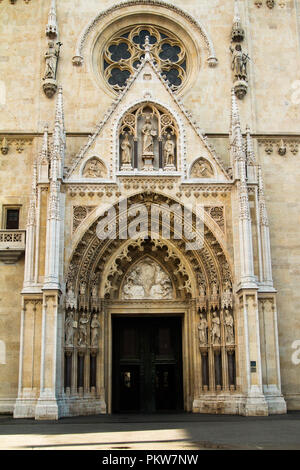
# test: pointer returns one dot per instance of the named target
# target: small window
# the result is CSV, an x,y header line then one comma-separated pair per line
x,y
12,219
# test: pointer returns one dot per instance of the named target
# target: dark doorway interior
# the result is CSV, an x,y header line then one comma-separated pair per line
x,y
147,364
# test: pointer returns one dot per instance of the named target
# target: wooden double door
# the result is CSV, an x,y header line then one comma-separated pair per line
x,y
147,364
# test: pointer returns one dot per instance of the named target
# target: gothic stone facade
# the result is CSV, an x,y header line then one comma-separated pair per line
x,y
106,106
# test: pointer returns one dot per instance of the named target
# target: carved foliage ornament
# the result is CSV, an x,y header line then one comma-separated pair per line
x,y
124,52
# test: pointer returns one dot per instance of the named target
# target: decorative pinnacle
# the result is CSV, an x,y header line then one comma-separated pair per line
x,y
249,145
52,28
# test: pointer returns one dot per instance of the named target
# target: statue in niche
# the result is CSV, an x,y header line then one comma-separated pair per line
x,y
51,58
202,330
82,333
94,291
229,327
147,280
148,136
82,288
126,151
93,169
69,329
95,326
239,62
216,329
227,296
201,169
169,151
71,301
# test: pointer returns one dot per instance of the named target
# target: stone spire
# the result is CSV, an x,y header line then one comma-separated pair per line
x,y
45,146
59,139
31,219
250,155
263,216
238,33
52,27
236,138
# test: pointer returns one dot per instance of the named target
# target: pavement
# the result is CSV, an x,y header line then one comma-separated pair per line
x,y
153,432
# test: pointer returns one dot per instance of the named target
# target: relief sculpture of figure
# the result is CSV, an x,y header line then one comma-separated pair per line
x,y
69,330
126,150
239,63
51,58
82,333
93,169
95,326
169,150
148,134
229,327
202,330
216,330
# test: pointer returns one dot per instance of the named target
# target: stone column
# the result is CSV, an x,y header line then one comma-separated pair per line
x,y
51,349
30,360
255,402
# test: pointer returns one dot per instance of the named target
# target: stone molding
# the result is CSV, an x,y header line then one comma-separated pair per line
x,y
78,57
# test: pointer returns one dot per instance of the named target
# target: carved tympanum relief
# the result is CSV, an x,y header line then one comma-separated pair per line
x,y
147,280
148,140
202,169
94,168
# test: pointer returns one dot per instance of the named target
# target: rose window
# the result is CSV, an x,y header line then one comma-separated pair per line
x,y
124,52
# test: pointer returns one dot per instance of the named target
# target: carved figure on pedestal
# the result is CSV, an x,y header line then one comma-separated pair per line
x,y
202,330
148,136
126,151
95,326
169,152
71,301
82,333
239,63
229,327
216,330
51,58
69,330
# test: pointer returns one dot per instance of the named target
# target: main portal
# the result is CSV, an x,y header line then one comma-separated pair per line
x,y
147,364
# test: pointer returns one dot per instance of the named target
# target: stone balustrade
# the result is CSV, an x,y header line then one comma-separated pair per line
x,y
12,245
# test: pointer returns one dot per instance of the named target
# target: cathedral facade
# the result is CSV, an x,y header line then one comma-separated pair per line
x,y
149,248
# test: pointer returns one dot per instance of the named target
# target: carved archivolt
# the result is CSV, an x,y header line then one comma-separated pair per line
x,y
195,273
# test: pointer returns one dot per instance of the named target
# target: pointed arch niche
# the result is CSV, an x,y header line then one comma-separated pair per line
x,y
148,137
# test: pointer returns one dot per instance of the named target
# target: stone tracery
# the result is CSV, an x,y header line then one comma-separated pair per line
x,y
124,51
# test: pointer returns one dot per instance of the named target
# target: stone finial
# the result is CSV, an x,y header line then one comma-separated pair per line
x,y
52,28
147,48
238,32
